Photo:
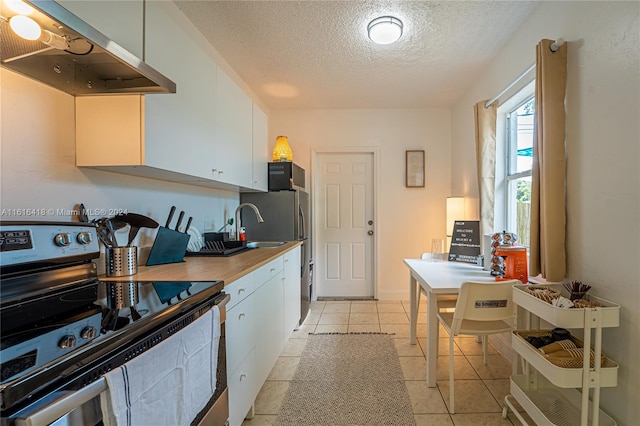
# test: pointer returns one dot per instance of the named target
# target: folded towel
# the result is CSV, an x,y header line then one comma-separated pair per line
x,y
170,383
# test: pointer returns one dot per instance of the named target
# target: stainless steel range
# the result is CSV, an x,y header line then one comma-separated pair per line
x,y
62,329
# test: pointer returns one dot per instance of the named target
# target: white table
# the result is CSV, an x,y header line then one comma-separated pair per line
x,y
437,278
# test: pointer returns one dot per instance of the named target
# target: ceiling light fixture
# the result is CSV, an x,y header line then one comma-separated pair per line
x,y
385,30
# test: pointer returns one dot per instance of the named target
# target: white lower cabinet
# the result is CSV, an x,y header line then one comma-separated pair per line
x,y
256,329
268,271
241,323
269,332
240,289
291,279
241,383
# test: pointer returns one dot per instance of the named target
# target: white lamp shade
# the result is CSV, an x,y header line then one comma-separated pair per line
x,y
385,30
455,211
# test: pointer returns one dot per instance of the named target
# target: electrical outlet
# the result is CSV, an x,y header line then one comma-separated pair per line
x,y
209,226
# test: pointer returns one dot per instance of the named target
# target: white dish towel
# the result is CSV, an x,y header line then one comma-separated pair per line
x,y
170,383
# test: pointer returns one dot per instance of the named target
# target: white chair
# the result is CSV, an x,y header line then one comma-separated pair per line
x,y
445,301
481,310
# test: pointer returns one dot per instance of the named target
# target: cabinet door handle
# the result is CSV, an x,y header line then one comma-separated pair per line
x,y
243,376
242,315
241,290
273,269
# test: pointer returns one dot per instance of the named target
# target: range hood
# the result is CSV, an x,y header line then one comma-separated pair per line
x,y
85,62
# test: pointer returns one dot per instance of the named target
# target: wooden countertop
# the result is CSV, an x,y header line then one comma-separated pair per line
x,y
204,268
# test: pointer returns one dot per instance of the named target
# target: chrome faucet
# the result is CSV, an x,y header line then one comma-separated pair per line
x,y
255,209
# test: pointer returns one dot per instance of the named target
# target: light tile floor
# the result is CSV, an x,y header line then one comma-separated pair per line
x,y
479,388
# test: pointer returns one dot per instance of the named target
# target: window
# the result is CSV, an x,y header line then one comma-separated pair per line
x,y
514,160
519,122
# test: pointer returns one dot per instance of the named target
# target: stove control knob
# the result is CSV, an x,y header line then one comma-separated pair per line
x,y
62,239
84,237
88,332
67,342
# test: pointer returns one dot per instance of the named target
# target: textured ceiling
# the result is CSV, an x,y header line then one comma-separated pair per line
x,y
316,54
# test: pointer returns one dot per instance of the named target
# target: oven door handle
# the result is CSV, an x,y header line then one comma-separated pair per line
x,y
221,303
62,406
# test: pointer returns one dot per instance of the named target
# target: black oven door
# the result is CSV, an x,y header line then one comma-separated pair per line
x,y
77,405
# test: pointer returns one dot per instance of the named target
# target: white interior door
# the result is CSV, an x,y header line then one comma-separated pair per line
x,y
344,225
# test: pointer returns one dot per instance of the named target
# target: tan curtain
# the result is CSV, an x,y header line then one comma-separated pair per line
x,y
548,213
485,119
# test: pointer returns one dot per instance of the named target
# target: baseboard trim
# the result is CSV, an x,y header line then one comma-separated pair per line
x,y
393,296
332,299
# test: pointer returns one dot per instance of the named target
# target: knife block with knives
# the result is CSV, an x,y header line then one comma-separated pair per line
x,y
170,245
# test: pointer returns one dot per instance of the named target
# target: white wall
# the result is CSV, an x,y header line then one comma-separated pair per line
x,y
603,180
39,172
407,218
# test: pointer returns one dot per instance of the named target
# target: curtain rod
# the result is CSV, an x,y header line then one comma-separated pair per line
x,y
554,48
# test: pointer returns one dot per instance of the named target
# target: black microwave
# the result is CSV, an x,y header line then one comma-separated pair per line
x,y
284,176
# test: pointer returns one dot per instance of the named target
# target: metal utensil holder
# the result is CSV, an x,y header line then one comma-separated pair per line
x,y
122,294
121,261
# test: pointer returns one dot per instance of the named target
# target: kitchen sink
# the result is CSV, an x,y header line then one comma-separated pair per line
x,y
265,244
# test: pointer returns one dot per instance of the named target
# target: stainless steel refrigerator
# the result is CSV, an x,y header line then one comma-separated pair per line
x,y
286,218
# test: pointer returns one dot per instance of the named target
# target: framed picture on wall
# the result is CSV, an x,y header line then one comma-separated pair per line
x,y
415,169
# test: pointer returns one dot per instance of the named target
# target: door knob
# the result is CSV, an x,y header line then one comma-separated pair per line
x,y
370,232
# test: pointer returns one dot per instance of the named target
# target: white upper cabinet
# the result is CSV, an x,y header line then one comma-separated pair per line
x,y
260,152
234,153
203,134
180,129
121,21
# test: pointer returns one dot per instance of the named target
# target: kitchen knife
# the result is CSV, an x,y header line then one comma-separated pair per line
x,y
171,212
186,228
180,216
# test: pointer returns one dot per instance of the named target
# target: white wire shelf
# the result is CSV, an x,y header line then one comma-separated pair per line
x,y
559,376
548,405
609,312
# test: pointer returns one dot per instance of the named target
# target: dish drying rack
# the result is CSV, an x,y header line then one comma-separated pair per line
x,y
219,248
